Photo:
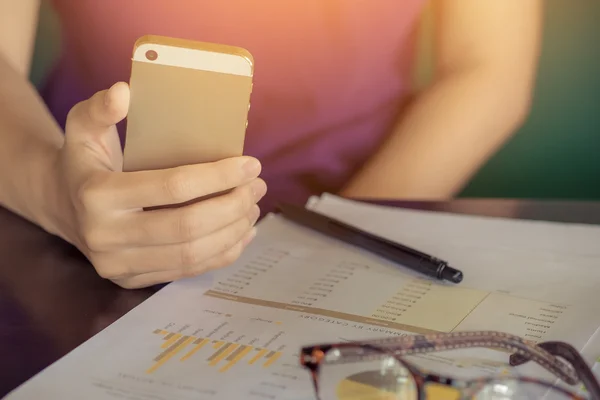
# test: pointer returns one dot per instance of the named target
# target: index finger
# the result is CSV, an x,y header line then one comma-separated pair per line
x,y
143,189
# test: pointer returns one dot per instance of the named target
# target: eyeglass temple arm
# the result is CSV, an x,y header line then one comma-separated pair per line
x,y
486,339
438,342
569,354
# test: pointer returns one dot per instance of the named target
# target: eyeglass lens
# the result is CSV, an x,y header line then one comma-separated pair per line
x,y
343,376
512,389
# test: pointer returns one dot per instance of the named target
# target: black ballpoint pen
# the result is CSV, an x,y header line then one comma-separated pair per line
x,y
404,255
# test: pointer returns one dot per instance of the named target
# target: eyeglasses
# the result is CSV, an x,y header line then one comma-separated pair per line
x,y
375,369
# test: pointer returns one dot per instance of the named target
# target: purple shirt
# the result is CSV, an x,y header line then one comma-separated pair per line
x,y
330,75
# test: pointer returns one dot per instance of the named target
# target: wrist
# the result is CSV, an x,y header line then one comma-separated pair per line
x,y
45,199
56,214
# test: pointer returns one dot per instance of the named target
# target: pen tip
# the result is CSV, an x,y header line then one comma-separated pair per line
x,y
457,277
452,275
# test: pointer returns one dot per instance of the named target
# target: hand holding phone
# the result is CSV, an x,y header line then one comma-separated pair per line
x,y
101,210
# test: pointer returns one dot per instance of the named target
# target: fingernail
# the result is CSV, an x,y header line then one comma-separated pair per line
x,y
251,167
259,189
254,215
251,235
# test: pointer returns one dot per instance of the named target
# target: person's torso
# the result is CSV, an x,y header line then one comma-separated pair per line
x,y
329,74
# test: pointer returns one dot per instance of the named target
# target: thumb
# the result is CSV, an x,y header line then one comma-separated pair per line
x,y
92,123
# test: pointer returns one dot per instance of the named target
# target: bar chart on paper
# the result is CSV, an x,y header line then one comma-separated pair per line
x,y
199,359
223,355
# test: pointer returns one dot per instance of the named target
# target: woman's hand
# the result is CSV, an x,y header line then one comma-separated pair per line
x,y
104,212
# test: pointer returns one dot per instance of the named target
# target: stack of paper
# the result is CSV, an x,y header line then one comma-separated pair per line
x,y
236,333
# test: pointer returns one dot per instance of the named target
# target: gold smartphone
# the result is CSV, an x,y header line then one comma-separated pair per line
x,y
189,103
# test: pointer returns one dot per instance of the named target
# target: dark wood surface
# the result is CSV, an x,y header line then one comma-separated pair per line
x,y
51,299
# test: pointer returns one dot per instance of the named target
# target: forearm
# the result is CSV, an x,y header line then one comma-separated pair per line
x,y
29,142
445,136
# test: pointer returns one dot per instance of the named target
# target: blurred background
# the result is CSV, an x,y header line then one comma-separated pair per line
x,y
555,155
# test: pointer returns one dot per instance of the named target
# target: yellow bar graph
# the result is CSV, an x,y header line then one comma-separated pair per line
x,y
229,353
257,356
170,340
236,359
224,353
195,349
163,358
273,357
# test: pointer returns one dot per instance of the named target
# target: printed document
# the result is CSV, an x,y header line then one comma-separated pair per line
x,y
236,333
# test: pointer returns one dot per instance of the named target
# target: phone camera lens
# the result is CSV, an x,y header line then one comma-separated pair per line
x,y
151,55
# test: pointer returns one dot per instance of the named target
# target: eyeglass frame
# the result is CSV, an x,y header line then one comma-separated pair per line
x,y
559,358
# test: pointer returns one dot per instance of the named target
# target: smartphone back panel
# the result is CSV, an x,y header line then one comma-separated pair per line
x,y
189,103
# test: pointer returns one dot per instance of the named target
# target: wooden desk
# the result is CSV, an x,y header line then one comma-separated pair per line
x,y
51,299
